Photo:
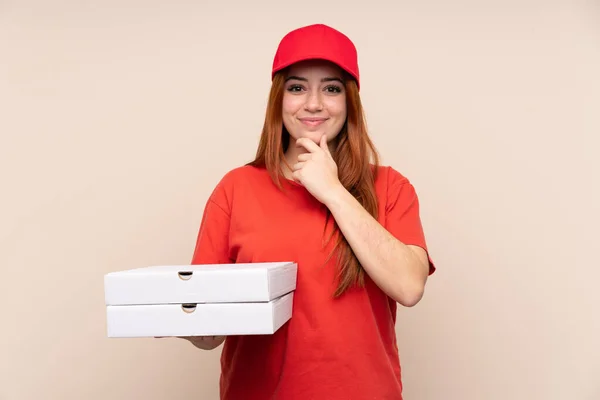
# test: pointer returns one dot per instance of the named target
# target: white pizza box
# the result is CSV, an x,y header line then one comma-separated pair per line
x,y
205,283
208,319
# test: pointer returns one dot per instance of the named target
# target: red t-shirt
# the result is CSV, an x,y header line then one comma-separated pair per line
x,y
334,349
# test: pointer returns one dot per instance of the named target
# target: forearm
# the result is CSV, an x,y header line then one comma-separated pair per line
x,y
391,264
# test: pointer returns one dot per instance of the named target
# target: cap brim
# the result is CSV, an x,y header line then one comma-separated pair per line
x,y
313,57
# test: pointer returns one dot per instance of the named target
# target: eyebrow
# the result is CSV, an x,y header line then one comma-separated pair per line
x,y
326,79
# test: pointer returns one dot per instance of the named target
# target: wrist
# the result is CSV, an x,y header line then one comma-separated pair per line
x,y
336,197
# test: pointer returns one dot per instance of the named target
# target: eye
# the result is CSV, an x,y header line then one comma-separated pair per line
x,y
294,88
333,89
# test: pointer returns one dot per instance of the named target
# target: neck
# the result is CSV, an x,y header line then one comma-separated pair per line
x,y
291,158
292,153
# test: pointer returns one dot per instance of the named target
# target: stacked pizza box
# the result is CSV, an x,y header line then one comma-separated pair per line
x,y
200,300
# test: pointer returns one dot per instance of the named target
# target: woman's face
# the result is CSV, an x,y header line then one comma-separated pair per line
x,y
314,101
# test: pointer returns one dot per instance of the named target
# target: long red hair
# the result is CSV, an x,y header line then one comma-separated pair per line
x,y
354,154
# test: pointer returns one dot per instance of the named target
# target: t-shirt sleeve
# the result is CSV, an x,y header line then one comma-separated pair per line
x,y
402,214
212,242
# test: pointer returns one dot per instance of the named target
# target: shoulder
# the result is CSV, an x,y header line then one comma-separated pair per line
x,y
237,181
240,175
388,176
393,188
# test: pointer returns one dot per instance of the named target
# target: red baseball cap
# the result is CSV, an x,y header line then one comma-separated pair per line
x,y
317,41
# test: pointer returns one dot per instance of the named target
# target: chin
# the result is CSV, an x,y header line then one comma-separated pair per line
x,y
314,136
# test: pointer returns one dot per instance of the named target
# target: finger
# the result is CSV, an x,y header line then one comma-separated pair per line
x,y
189,338
304,156
200,337
296,177
324,145
298,166
308,144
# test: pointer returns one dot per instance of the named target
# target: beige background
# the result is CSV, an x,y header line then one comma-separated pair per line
x,y
118,118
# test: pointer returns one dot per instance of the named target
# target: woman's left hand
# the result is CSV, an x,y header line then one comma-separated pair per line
x,y
316,170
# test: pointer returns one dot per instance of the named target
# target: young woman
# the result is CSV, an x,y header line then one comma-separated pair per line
x,y
315,194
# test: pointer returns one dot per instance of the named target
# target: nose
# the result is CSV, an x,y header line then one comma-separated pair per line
x,y
314,103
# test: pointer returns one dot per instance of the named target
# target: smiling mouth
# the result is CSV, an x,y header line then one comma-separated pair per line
x,y
312,121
